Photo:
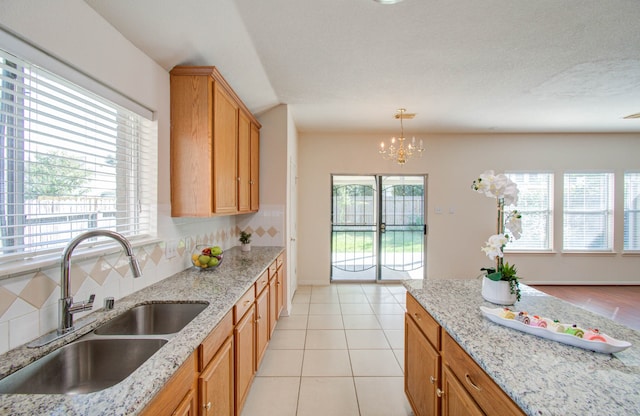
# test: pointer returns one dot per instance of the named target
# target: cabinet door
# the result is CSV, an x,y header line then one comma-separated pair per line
x,y
273,304
244,338
255,168
422,369
280,282
262,325
225,152
215,383
244,162
187,406
455,399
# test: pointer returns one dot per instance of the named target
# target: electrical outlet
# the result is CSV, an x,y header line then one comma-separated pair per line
x,y
171,249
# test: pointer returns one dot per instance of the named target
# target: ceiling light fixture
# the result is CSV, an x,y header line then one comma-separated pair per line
x,y
387,1
399,152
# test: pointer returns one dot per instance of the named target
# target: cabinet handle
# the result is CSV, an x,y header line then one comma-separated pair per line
x,y
439,393
417,316
246,302
207,406
432,379
471,383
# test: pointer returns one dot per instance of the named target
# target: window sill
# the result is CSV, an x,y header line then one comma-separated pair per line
x,y
589,253
537,252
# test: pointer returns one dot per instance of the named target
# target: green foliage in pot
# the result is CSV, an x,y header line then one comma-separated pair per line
x,y
245,238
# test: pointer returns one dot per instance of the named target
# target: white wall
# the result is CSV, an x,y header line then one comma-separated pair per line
x,y
452,162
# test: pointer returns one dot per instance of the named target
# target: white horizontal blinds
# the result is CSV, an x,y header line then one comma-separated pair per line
x,y
588,211
72,161
535,203
632,211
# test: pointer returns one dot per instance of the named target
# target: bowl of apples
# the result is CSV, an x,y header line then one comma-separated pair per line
x,y
206,257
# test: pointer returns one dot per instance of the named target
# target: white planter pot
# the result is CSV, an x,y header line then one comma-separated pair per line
x,y
245,247
497,292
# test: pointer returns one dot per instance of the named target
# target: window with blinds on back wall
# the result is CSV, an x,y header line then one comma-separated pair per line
x,y
72,161
632,211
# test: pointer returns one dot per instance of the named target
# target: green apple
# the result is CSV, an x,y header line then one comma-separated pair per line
x,y
213,262
216,251
204,259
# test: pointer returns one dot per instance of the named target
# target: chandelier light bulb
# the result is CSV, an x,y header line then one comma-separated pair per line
x,y
401,152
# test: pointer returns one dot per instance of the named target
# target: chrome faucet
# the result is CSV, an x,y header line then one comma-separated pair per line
x,y
66,305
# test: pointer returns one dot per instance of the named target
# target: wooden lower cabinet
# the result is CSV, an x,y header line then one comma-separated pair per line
x,y
455,399
441,378
422,369
216,378
245,349
215,383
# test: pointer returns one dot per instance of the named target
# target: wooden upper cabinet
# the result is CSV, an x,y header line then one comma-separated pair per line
x,y
254,181
244,163
211,135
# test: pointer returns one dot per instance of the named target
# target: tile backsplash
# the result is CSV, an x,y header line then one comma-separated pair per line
x,y
29,303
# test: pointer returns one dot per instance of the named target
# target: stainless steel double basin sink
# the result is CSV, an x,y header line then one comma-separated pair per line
x,y
105,356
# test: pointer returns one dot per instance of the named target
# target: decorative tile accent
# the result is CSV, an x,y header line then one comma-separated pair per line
x,y
157,254
38,290
143,257
78,276
100,270
6,299
260,231
272,232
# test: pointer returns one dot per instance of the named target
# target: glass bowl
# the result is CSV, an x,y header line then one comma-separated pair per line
x,y
206,257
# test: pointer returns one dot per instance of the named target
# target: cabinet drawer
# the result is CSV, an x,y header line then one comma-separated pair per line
x,y
262,282
244,304
425,322
214,340
480,386
273,267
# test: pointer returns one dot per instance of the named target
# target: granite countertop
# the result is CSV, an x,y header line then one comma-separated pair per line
x,y
543,377
221,287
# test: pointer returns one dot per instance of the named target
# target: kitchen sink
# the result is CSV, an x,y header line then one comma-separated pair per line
x,y
152,319
83,366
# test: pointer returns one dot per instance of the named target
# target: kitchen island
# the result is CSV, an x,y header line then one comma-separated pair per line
x,y
221,288
541,376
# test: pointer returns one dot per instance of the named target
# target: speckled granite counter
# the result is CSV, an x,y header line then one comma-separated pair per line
x,y
542,376
221,287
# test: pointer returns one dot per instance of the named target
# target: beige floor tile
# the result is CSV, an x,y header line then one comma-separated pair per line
x,y
304,289
301,297
299,309
381,298
353,298
324,289
326,363
292,322
395,338
366,339
399,289
374,363
400,358
287,339
356,309
271,396
361,322
375,289
324,298
325,322
326,339
387,309
281,363
327,396
372,403
391,321
349,288
324,309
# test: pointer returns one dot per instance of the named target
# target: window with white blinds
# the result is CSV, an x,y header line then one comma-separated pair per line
x,y
588,211
71,162
632,211
535,203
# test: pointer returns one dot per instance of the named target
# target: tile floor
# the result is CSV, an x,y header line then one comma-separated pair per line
x,y
339,353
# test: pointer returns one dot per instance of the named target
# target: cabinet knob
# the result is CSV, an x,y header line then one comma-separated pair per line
x,y
207,406
432,379
416,316
439,393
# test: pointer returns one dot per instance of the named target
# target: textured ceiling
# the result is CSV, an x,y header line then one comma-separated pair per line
x,y
461,65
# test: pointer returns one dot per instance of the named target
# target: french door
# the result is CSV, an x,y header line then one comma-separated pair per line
x,y
378,227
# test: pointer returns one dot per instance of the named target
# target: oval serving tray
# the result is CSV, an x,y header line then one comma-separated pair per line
x,y
612,345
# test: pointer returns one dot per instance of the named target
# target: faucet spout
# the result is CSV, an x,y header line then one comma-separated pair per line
x,y
66,305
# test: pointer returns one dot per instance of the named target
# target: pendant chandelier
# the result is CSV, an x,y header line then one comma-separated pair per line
x,y
397,149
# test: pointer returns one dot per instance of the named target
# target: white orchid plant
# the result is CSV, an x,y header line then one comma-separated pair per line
x,y
509,225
